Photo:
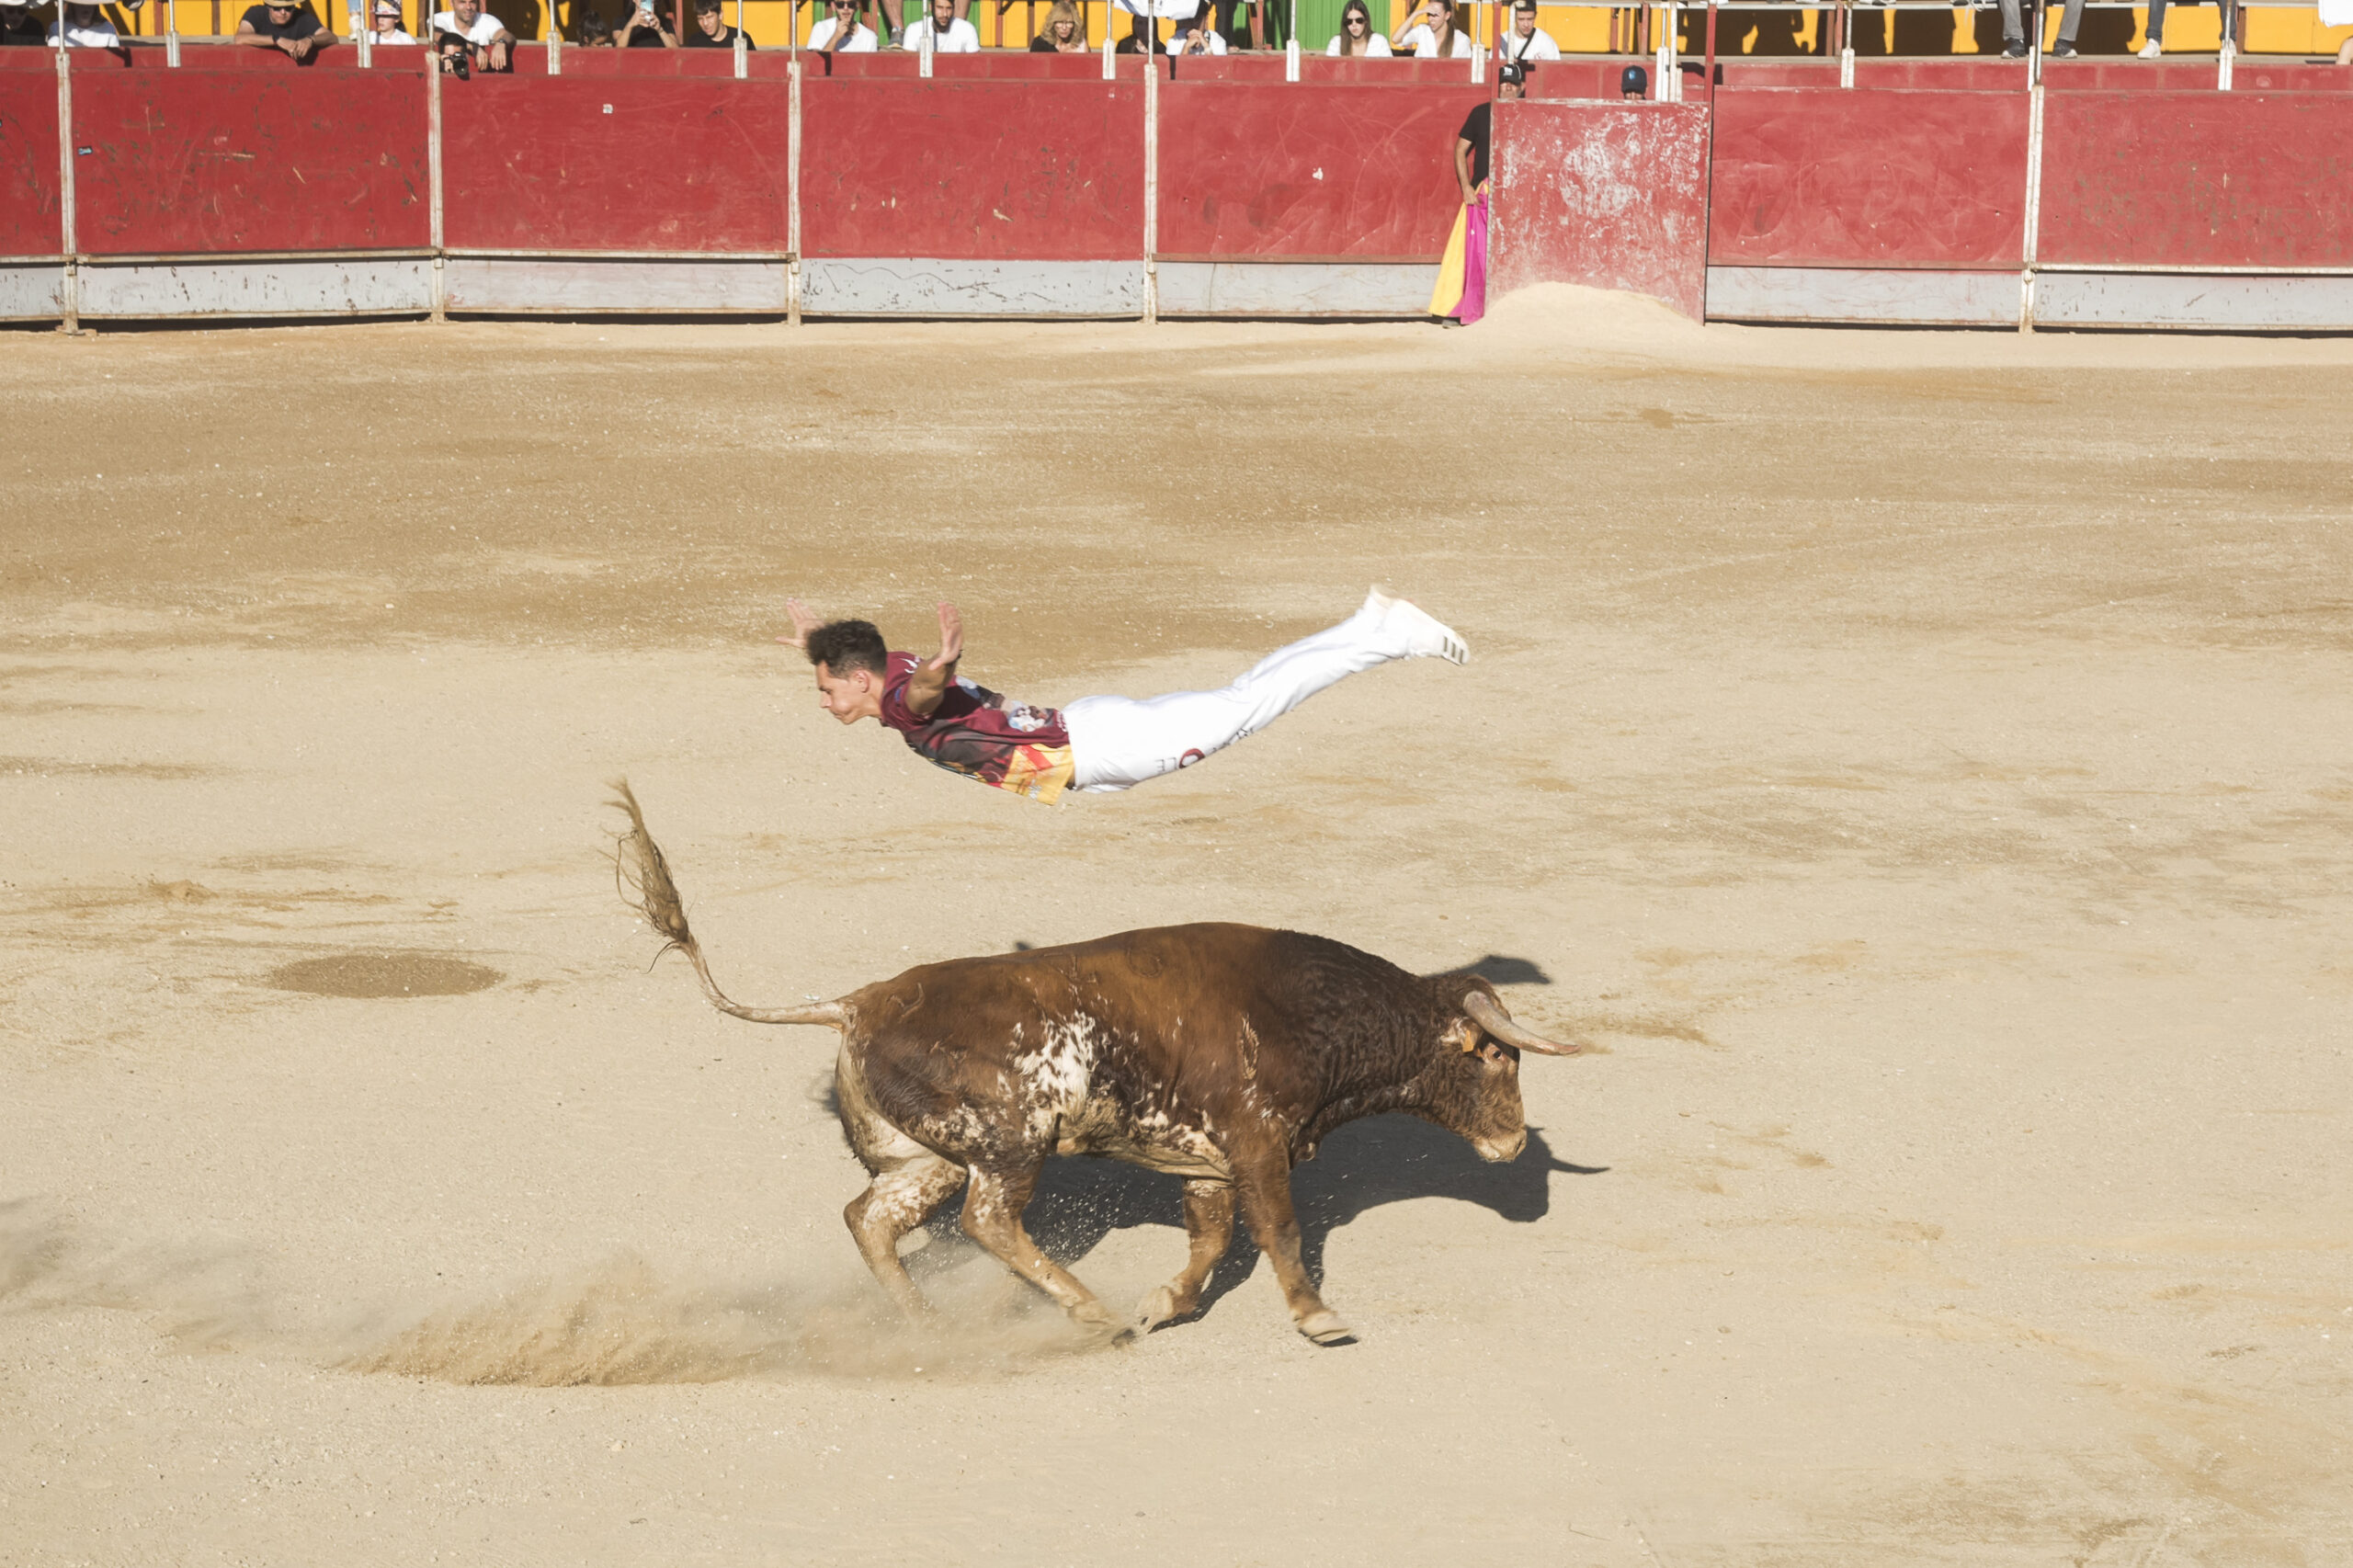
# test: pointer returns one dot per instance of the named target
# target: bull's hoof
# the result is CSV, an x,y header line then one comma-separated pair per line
x,y
1326,1328
1100,1323
1156,1309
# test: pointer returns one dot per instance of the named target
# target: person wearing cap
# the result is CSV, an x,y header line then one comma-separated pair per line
x,y
1525,41
290,28
472,35
1634,83
711,30
1461,297
387,28
84,26
950,33
842,33
19,26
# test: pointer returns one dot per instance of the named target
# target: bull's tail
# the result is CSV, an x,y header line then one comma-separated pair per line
x,y
643,879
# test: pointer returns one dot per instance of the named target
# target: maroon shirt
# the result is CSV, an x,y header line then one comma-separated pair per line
x,y
974,732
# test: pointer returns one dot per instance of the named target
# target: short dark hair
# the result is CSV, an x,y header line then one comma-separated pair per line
x,y
702,6
846,645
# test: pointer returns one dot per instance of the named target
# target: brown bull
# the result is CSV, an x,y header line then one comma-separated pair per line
x,y
1222,1055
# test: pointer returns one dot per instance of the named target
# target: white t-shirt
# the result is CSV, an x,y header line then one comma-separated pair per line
x,y
1375,46
486,28
102,35
1424,43
1175,10
859,42
962,38
1538,45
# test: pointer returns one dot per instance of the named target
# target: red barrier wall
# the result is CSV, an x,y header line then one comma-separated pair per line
x,y
28,181
582,164
1612,196
1892,179
200,163
1299,173
2196,179
979,170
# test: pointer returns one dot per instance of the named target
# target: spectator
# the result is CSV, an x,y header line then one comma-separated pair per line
x,y
1144,20
1356,36
2014,30
290,28
645,26
950,33
1064,34
710,30
1527,43
84,26
842,33
595,31
1634,83
1429,33
473,35
1194,36
19,26
2156,44
387,29
1461,297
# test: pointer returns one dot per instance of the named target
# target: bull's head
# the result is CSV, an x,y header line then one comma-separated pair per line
x,y
1474,1083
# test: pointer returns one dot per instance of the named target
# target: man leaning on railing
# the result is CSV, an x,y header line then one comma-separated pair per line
x,y
469,39
291,29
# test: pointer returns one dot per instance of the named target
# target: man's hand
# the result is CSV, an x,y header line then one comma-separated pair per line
x,y
952,639
804,621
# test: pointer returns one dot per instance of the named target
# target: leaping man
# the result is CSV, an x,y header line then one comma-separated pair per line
x,y
1097,743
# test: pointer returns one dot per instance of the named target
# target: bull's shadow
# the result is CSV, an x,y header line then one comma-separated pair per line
x,y
1381,1160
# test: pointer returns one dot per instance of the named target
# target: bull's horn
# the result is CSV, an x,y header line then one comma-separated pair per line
x,y
1496,1022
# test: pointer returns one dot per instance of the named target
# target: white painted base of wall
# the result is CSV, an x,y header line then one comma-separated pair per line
x,y
32,291
1296,288
1883,296
836,286
591,286
2180,301
325,287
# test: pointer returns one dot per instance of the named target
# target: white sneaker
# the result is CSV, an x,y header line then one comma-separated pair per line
x,y
2151,50
1424,635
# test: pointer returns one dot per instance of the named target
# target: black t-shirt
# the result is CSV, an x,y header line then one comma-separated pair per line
x,y
1042,44
697,39
1477,130
648,35
300,25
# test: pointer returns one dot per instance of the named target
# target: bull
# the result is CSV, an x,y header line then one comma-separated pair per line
x,y
1222,1055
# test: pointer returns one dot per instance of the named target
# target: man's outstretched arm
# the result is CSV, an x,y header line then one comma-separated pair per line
x,y
930,680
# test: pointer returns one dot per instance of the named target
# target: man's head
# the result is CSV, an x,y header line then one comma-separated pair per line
x,y
845,16
942,13
851,660
466,11
708,18
281,15
387,15
1523,18
1634,83
1511,79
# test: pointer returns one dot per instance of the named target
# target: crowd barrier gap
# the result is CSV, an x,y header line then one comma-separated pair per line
x,y
1959,192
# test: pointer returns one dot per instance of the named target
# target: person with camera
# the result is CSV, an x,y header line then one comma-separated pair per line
x,y
291,29
467,39
645,26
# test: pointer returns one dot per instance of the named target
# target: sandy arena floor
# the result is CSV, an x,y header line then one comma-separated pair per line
x,y
1922,763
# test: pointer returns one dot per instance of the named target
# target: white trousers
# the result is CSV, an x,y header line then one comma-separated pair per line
x,y
1117,743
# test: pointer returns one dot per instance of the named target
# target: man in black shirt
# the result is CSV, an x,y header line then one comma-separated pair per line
x,y
644,25
19,26
710,31
289,27
1478,131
